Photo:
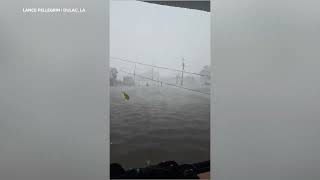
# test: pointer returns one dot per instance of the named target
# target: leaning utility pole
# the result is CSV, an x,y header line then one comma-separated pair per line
x,y
152,74
182,71
158,72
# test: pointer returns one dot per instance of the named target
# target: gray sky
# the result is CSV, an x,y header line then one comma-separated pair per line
x,y
161,35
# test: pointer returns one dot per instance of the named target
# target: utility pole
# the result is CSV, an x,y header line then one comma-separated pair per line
x,y
182,71
158,82
152,73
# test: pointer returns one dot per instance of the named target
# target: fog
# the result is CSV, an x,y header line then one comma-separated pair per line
x,y
266,123
53,92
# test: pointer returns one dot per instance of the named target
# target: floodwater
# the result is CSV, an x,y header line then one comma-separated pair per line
x,y
159,124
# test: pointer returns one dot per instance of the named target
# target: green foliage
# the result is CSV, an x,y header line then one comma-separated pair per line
x,y
125,96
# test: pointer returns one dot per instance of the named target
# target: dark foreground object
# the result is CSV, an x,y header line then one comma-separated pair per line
x,y
164,170
198,5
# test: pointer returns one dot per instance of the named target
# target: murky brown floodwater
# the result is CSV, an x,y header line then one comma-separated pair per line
x,y
159,124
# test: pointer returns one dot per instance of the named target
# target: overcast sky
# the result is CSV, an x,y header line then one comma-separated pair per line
x,y
157,34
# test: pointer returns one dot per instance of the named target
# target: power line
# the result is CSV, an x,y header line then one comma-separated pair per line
x,y
160,67
165,82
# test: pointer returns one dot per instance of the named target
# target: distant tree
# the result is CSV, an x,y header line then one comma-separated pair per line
x,y
113,76
205,75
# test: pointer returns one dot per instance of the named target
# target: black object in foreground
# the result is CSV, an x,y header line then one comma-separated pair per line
x,y
164,170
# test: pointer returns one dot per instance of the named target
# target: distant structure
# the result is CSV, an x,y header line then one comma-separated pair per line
x,y
128,81
189,80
